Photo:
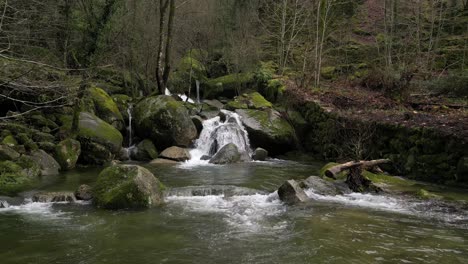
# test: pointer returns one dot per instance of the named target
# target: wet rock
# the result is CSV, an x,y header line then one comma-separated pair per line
x,y
225,190
84,193
144,151
105,107
175,153
54,197
127,186
291,193
260,154
174,125
227,154
205,157
67,153
7,153
198,122
214,103
49,166
4,204
249,101
324,187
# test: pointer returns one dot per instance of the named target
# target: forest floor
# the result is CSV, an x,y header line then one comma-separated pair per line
x,y
440,113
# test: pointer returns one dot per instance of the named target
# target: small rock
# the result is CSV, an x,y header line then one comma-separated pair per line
x,y
260,154
144,151
291,193
84,193
205,157
176,153
54,197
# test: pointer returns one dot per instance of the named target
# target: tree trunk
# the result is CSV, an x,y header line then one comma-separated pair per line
x,y
333,171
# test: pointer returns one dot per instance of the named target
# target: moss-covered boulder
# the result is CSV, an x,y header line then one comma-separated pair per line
x,y
7,153
165,121
269,130
145,151
105,107
252,100
67,152
99,140
18,176
127,186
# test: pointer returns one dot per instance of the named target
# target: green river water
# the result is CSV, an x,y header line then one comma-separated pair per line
x,y
236,229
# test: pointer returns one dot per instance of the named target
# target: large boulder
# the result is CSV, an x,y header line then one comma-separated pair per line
x,y
269,130
7,153
176,154
18,176
292,193
127,186
100,142
165,121
144,151
67,153
54,197
105,107
49,166
227,154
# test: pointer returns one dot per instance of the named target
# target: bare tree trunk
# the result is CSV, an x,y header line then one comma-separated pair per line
x,y
333,171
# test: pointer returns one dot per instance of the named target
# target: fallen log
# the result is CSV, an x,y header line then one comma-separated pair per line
x,y
363,164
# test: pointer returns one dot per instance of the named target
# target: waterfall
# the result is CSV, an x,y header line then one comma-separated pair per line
x,y
197,82
129,128
218,132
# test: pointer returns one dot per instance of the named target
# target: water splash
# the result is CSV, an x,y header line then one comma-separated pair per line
x,y
216,134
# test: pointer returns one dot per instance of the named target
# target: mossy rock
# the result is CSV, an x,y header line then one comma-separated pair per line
x,y
123,102
127,186
99,140
13,179
7,153
426,195
328,72
188,71
145,151
67,153
9,141
49,147
40,120
165,121
269,130
105,107
228,85
252,100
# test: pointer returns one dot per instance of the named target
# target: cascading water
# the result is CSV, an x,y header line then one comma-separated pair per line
x,y
217,133
197,82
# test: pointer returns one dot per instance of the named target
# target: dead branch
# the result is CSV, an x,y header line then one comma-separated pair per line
x,y
333,171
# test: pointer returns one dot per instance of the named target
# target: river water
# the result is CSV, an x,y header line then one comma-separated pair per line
x,y
239,226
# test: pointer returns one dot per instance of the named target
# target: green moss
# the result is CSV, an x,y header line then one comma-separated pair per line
x,y
9,141
95,129
67,153
249,101
105,107
279,127
328,72
424,194
325,168
228,85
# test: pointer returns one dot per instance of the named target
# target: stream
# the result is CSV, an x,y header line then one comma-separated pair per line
x,y
231,214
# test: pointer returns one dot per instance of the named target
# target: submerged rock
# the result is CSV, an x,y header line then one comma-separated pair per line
x,y
84,192
175,153
269,130
163,161
292,193
260,154
227,154
165,121
49,166
67,153
54,197
4,204
127,186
